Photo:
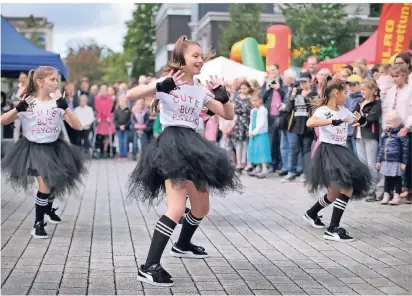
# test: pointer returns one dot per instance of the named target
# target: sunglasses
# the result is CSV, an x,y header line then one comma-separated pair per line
x,y
351,84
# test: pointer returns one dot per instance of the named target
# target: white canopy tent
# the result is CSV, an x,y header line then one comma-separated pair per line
x,y
229,70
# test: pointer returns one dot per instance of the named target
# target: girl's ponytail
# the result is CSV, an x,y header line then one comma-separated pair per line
x,y
154,105
30,88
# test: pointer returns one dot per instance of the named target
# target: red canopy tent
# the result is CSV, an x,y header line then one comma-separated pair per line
x,y
366,50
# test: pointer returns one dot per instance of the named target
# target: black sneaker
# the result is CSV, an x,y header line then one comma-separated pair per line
x,y
282,173
337,234
53,217
155,275
192,251
315,222
38,230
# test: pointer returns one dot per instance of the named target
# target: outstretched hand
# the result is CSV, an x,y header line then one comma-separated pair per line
x,y
214,82
172,81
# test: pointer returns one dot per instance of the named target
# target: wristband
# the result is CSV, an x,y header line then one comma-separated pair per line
x,y
166,86
22,106
62,104
336,122
221,94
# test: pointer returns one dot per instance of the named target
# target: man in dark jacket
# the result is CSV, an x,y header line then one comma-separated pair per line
x,y
273,99
84,90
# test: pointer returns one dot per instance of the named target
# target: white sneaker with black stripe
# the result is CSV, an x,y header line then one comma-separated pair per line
x,y
192,251
155,275
337,234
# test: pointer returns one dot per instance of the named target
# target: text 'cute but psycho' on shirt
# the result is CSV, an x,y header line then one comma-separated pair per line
x,y
183,110
43,122
336,135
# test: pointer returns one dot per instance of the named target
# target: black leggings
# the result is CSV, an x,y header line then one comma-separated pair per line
x,y
393,183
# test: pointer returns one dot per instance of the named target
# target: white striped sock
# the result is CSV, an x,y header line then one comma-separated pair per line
x,y
340,204
163,228
41,202
192,220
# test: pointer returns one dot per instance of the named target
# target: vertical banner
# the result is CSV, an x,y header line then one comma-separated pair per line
x,y
394,30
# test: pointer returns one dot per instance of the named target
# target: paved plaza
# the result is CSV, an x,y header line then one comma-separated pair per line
x,y
258,244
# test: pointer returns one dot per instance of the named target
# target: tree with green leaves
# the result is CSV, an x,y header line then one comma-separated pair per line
x,y
320,25
115,67
85,59
245,22
139,42
34,35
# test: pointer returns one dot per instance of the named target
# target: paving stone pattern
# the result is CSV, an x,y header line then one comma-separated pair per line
x,y
258,244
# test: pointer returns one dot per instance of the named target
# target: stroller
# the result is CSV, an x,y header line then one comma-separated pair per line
x,y
98,146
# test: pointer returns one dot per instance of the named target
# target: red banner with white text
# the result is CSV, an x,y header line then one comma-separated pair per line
x,y
394,30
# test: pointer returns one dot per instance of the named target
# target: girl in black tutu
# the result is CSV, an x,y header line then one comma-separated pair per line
x,y
56,164
180,160
334,166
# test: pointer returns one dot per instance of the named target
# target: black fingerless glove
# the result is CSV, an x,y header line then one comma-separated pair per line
x,y
22,106
336,122
221,94
210,113
362,120
166,86
62,104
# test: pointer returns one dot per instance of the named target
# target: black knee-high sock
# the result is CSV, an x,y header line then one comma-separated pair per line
x,y
322,202
51,200
189,226
338,209
42,202
163,231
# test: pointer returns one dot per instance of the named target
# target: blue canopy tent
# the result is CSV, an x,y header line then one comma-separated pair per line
x,y
19,54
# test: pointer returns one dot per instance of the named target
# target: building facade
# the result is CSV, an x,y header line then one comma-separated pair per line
x,y
37,29
203,21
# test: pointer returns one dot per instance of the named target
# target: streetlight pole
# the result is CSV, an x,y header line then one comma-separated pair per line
x,y
129,66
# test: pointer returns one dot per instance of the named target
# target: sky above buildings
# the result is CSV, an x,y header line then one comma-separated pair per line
x,y
104,22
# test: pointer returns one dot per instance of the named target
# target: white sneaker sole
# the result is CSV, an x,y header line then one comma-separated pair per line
x,y
188,255
337,239
33,233
52,221
147,281
309,221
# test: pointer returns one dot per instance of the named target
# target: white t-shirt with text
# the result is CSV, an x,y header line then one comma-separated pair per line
x,y
182,111
43,121
334,134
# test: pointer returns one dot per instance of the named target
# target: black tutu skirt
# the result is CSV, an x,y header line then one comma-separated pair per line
x,y
180,154
337,166
59,163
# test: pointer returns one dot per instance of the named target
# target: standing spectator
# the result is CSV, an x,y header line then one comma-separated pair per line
x,y
122,117
300,138
242,109
367,132
343,74
313,68
86,116
361,71
353,99
84,90
69,96
385,81
375,71
289,80
105,126
19,130
140,115
399,98
405,59
273,98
